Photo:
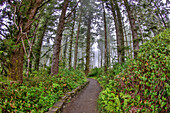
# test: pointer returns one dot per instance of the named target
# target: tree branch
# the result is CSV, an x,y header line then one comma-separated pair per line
x,y
24,46
2,35
68,15
6,26
32,22
43,4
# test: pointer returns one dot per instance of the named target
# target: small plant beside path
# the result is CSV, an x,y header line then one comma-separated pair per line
x,y
40,92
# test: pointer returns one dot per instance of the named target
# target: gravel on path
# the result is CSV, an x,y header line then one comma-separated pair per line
x,y
85,101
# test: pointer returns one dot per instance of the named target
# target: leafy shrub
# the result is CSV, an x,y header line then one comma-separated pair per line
x,y
95,71
40,92
143,86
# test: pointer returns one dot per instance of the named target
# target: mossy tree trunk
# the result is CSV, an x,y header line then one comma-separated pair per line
x,y
15,72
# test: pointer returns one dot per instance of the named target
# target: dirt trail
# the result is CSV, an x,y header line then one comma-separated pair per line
x,y
86,101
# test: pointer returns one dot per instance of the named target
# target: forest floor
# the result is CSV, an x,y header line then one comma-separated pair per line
x,y
86,100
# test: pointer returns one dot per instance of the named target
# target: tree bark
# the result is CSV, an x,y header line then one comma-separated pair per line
x,y
88,44
15,72
71,42
57,45
76,47
133,28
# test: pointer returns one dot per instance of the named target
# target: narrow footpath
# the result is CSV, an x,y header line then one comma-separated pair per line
x,y
85,101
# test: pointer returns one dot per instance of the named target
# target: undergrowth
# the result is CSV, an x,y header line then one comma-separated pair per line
x,y
141,84
40,92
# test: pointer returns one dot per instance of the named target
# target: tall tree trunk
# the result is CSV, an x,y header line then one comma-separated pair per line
x,y
119,17
133,28
82,61
126,41
119,30
39,46
76,47
109,52
140,28
88,44
57,45
71,41
105,34
116,27
131,52
98,59
65,50
15,71
109,47
101,62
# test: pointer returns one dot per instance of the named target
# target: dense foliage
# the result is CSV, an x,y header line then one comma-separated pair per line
x,y
40,92
140,85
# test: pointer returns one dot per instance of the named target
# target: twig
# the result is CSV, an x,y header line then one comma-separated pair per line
x,y
24,46
2,35
43,4
31,22
15,18
6,26
72,10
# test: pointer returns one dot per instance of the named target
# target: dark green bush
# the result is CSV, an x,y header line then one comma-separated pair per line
x,y
95,71
40,92
143,86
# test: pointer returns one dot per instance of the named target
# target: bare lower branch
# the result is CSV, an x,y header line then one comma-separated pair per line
x,y
32,22
2,35
23,44
72,10
6,26
15,18
43,4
